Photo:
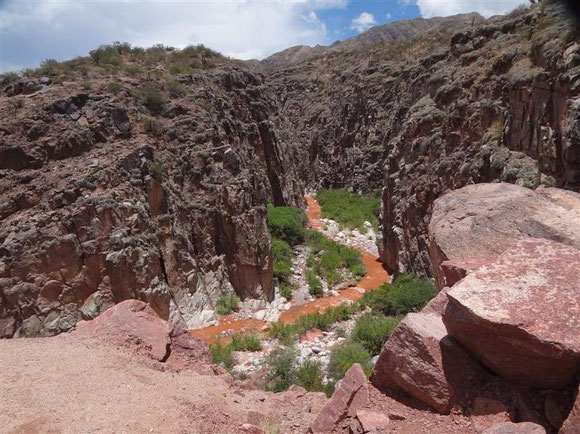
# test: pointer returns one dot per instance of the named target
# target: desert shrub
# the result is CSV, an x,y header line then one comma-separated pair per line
x,y
314,284
114,87
86,84
286,290
246,343
372,331
377,299
48,67
133,70
152,99
107,55
222,355
344,356
227,303
286,223
176,89
8,77
180,68
328,257
157,170
155,54
154,127
281,369
518,11
284,333
310,376
281,270
349,209
410,293
324,320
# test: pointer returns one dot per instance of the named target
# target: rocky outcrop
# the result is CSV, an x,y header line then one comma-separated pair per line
x,y
420,359
519,315
478,222
101,203
572,422
515,428
134,327
350,396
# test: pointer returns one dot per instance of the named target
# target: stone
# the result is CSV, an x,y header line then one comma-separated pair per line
x,y
351,395
131,322
420,359
372,421
310,335
485,413
572,423
520,315
515,428
481,221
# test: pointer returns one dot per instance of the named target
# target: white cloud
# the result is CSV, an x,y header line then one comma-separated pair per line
x,y
363,22
33,30
388,16
441,8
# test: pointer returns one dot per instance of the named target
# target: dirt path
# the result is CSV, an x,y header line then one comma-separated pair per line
x,y
376,276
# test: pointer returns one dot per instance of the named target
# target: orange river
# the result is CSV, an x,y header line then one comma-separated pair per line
x,y
376,276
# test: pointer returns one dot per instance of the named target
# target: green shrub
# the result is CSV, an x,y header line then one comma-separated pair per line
x,y
8,77
227,303
286,290
281,369
114,87
154,127
48,67
314,284
281,251
286,223
176,89
328,257
86,84
377,299
281,270
372,331
134,70
157,170
324,320
222,355
349,209
286,334
410,293
246,343
310,376
344,356
151,98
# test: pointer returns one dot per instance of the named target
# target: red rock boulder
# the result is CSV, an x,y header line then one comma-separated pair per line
x,y
420,359
351,395
483,220
520,315
134,326
515,428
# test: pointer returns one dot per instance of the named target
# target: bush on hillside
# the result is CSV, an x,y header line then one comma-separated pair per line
x,y
314,284
227,303
246,343
286,223
346,355
310,376
410,293
372,331
281,369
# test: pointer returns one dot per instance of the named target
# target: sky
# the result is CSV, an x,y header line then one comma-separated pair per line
x,y
34,30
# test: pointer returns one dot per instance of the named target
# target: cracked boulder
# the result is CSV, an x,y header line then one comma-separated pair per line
x,y
520,314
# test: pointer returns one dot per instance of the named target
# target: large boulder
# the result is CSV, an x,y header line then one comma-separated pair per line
x,y
351,396
420,359
520,314
134,326
480,221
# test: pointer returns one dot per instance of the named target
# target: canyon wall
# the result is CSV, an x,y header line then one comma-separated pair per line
x,y
102,202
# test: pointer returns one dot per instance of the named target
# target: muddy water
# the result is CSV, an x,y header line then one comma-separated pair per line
x,y
376,276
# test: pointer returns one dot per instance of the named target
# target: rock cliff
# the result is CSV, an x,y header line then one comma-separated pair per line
x,y
102,202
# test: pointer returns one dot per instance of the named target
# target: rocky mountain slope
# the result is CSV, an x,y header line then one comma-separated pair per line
x,y
405,30
497,101
145,173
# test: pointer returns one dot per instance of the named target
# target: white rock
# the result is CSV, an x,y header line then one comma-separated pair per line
x,y
316,350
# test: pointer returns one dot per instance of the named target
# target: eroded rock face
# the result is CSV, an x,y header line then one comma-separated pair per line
x,y
520,314
476,223
99,205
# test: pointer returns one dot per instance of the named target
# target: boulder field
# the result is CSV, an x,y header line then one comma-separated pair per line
x,y
506,333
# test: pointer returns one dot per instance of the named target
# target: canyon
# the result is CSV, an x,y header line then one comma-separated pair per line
x,y
127,211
